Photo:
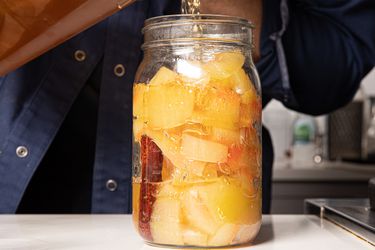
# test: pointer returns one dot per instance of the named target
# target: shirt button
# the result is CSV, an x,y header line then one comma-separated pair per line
x,y
80,55
22,151
119,70
111,185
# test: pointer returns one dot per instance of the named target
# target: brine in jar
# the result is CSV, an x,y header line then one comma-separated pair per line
x,y
196,133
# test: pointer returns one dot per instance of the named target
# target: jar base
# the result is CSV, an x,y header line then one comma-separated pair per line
x,y
152,244
238,242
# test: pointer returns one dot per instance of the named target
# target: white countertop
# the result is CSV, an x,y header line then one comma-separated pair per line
x,y
36,232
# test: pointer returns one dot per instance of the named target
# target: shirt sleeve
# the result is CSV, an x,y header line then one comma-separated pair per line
x,y
322,49
1,81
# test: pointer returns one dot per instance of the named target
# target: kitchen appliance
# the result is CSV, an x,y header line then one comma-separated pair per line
x,y
351,132
354,215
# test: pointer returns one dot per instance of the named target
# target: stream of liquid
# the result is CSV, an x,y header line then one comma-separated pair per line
x,y
193,7
190,7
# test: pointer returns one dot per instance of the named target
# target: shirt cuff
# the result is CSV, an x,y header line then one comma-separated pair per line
x,y
272,65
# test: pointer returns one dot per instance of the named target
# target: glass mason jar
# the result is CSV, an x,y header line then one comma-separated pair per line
x,y
197,133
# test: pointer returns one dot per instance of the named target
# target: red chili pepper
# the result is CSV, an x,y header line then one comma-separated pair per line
x,y
152,162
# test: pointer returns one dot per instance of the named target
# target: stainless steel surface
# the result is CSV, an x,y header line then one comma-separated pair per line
x,y
353,215
351,131
371,193
353,228
370,127
330,180
345,132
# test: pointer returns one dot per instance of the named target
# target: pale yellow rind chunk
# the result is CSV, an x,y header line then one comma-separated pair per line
x,y
241,82
224,64
225,136
219,198
194,148
224,235
138,128
197,214
169,147
138,99
217,108
191,73
168,105
163,76
166,222
195,238
139,91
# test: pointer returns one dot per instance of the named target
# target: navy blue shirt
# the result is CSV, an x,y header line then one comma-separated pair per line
x,y
58,111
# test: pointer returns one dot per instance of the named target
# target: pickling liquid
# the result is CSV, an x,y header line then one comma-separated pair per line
x,y
29,28
190,6
197,155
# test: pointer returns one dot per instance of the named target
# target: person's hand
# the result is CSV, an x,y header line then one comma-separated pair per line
x,y
249,9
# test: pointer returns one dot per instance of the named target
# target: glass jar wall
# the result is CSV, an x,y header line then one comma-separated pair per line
x,y
196,129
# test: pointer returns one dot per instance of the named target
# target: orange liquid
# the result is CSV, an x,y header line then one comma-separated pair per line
x,y
197,168
29,28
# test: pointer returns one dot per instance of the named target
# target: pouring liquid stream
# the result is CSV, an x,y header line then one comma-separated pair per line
x,y
190,7
193,7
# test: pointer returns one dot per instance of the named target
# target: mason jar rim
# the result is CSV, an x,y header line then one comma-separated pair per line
x,y
169,30
179,19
